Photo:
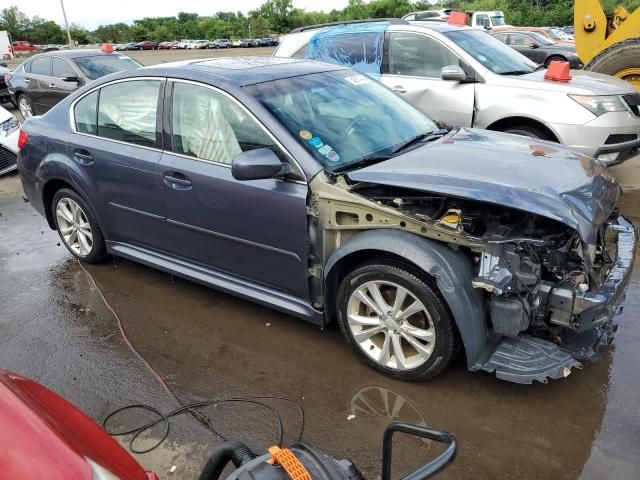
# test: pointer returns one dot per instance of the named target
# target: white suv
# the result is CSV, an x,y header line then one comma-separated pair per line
x,y
464,77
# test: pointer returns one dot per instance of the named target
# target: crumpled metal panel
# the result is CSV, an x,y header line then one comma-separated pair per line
x,y
358,46
525,359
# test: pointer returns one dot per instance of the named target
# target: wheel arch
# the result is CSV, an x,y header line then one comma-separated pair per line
x,y
450,269
504,123
48,191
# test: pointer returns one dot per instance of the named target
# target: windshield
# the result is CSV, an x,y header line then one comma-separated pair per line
x,y
341,117
491,52
497,21
101,65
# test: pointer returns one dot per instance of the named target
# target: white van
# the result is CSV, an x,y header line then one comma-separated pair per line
x,y
6,53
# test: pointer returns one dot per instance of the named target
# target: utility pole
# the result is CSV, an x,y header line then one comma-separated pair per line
x,y
66,24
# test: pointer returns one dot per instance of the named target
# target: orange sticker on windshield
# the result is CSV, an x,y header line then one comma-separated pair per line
x,y
305,134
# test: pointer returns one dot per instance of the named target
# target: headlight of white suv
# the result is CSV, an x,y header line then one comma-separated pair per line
x,y
599,104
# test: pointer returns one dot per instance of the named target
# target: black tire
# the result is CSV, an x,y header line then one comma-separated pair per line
x,y
528,131
616,58
553,58
421,288
98,249
23,97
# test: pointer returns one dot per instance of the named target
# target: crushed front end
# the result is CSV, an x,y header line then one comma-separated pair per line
x,y
552,298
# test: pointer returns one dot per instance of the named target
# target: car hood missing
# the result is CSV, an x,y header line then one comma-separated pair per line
x,y
509,170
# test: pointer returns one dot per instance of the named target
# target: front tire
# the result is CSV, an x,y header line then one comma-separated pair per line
x,y
77,227
528,131
396,320
553,58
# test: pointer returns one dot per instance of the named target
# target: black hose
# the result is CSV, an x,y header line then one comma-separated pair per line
x,y
237,452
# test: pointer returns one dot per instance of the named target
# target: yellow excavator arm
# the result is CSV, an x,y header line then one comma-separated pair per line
x,y
608,43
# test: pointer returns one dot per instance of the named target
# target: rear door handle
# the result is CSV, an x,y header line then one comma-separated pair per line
x,y
27,81
83,157
177,180
52,85
399,89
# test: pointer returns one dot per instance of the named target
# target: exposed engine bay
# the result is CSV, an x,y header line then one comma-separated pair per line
x,y
538,276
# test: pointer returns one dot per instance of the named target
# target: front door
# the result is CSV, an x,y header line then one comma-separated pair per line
x,y
58,88
252,229
116,154
412,69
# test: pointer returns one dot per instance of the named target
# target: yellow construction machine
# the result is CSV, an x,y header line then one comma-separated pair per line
x,y
608,43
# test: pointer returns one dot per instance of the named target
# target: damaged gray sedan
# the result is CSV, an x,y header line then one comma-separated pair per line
x,y
314,190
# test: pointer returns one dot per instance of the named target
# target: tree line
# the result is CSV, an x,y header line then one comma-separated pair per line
x,y
275,17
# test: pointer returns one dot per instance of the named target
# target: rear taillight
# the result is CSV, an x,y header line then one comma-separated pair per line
x,y
22,139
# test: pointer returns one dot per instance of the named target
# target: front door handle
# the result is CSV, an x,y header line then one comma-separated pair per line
x,y
399,89
83,157
177,180
52,85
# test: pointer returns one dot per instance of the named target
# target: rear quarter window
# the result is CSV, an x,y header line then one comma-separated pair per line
x,y
86,114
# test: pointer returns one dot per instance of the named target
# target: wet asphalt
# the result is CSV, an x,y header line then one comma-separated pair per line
x,y
207,345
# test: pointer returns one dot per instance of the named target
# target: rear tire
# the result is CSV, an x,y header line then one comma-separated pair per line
x,y
621,60
396,320
77,226
528,131
25,105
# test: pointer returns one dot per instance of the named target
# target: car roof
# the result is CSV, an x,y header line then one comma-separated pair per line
x,y
242,71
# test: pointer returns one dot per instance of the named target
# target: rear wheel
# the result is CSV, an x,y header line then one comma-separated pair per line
x,y
396,321
76,226
25,106
621,60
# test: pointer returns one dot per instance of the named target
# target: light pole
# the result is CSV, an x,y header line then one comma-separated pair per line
x,y
66,23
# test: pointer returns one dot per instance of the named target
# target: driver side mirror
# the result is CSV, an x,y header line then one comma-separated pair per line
x,y
71,79
534,45
454,73
256,164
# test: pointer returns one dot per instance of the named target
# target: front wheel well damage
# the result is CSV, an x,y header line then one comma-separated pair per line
x,y
514,122
48,192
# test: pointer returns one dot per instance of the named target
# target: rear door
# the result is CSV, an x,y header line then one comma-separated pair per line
x,y
37,81
115,149
252,229
412,69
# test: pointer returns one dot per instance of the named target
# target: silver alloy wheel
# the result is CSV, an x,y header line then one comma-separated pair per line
x,y
391,325
25,107
74,227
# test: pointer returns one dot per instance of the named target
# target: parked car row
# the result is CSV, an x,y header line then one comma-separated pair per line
x,y
198,44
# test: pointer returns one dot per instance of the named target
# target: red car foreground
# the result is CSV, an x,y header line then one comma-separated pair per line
x,y
44,436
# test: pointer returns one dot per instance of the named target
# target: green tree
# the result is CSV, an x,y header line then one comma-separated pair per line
x,y
14,21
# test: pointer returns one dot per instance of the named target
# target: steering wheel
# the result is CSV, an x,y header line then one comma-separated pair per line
x,y
354,122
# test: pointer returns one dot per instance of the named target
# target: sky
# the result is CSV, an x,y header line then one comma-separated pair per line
x,y
90,13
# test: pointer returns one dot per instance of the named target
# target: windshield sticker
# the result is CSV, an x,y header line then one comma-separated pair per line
x,y
325,150
315,142
357,79
305,134
333,156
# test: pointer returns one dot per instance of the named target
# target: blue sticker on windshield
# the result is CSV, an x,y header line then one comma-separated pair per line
x,y
315,142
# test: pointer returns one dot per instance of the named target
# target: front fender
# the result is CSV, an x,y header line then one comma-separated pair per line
x,y
451,270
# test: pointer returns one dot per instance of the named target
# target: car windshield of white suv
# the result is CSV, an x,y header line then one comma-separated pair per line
x,y
343,118
492,53
101,65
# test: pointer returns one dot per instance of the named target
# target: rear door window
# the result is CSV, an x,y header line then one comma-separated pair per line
x,y
128,112
41,66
